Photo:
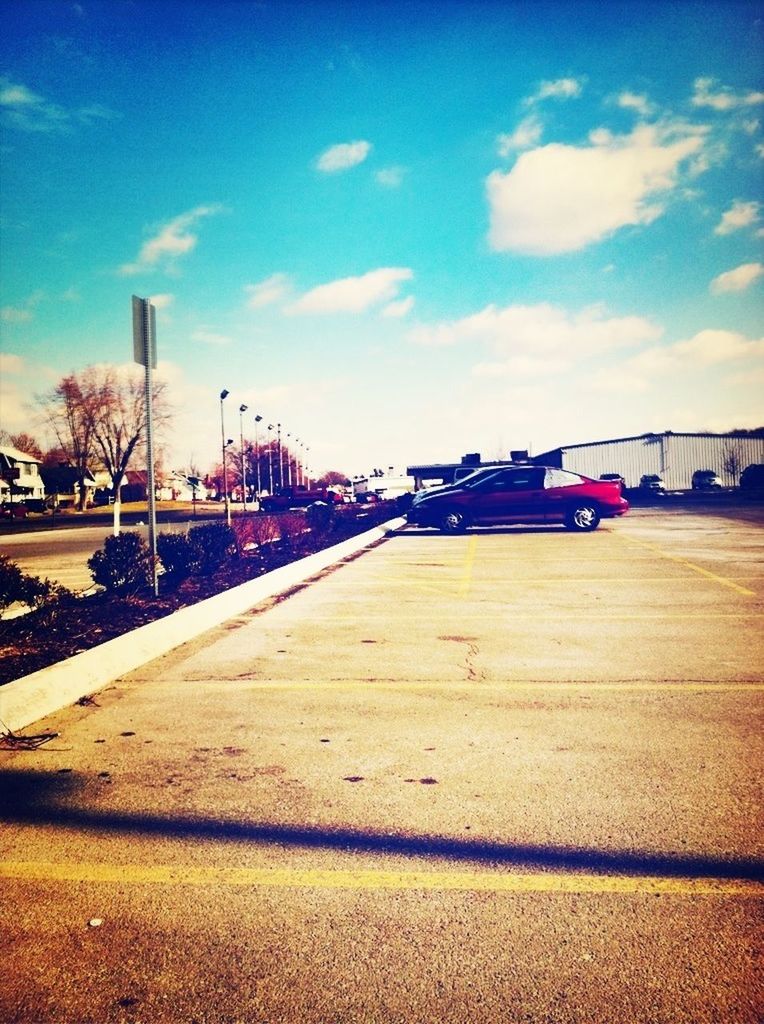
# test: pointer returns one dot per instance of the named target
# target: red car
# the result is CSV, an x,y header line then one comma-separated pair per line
x,y
519,494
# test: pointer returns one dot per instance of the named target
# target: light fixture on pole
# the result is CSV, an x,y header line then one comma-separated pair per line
x,y
270,460
242,410
278,453
257,461
298,467
288,455
223,395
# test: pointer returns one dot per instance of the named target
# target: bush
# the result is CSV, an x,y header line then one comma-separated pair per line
x,y
16,586
255,531
176,555
211,545
123,564
320,517
291,526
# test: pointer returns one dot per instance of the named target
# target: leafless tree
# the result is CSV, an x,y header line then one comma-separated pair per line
x,y
99,417
733,462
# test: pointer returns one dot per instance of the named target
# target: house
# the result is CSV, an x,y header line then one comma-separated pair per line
x,y
62,485
20,478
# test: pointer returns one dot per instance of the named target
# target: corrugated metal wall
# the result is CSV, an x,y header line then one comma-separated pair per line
x,y
675,457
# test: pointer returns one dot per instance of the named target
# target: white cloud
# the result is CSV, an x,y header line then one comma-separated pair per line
x,y
399,309
162,301
11,363
390,177
560,89
708,93
343,156
172,240
636,102
524,339
15,315
561,198
705,349
210,337
737,280
353,294
265,293
33,113
739,215
526,135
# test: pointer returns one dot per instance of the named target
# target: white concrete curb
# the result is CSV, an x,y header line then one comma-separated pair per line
x,y
32,697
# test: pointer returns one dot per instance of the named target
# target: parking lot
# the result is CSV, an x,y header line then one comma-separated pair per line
x,y
508,776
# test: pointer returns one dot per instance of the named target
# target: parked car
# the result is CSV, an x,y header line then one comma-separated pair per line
x,y
516,494
705,480
752,481
615,477
651,482
14,510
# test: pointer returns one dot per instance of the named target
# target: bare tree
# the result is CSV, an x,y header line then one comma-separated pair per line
x,y
733,462
99,415
22,442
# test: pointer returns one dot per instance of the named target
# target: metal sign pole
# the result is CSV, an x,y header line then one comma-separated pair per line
x,y
144,350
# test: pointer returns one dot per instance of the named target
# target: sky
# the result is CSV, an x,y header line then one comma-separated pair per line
x,y
403,230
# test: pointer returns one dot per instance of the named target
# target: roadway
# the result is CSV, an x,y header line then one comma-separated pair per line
x,y
512,776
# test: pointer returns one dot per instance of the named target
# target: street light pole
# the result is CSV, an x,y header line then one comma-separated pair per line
x,y
281,464
242,410
270,459
257,461
223,395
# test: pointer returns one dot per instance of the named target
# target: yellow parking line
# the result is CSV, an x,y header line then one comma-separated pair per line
x,y
294,878
721,580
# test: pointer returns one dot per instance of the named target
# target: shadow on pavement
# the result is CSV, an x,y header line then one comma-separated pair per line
x,y
42,798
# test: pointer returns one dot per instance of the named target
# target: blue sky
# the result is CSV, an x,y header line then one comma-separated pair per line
x,y
404,230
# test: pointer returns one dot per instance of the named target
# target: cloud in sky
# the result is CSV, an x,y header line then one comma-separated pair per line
x,y
390,177
399,309
353,294
342,156
272,289
635,101
708,93
737,280
173,239
31,112
559,89
208,337
739,215
525,339
561,198
526,135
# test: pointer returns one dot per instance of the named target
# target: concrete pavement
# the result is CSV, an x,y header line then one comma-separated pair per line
x,y
510,776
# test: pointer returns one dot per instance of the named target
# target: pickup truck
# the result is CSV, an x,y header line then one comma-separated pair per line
x,y
298,497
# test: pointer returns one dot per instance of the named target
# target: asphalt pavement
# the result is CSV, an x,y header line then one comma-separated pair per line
x,y
510,776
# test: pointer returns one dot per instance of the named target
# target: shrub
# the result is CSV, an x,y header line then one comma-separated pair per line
x,y
123,564
291,526
16,586
211,545
320,517
176,555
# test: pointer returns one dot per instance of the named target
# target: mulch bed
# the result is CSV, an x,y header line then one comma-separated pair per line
x,y
49,635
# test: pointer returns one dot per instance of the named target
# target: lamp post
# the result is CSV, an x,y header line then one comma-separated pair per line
x,y
257,462
278,452
288,455
223,395
270,460
298,466
242,410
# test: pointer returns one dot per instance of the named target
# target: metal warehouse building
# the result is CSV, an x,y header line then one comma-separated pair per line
x,y
674,457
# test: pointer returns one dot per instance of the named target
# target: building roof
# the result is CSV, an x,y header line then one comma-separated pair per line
x,y
16,456
651,437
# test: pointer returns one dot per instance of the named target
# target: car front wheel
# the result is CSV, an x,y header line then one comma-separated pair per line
x,y
453,521
583,517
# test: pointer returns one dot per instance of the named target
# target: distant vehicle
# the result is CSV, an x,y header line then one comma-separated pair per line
x,y
752,481
517,494
705,480
615,477
14,510
651,482
299,497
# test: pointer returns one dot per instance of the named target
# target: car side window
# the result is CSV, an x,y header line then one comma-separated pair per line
x,y
561,478
515,480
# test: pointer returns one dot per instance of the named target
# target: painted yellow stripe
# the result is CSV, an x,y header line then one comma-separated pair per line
x,y
721,580
379,685
292,878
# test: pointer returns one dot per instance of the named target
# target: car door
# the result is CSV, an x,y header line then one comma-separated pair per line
x,y
509,495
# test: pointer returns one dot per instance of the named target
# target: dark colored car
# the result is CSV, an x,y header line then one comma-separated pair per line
x,y
706,480
752,481
615,477
651,482
14,510
519,494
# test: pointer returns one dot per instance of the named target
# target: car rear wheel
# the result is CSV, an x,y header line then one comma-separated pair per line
x,y
583,517
453,521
